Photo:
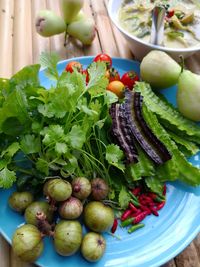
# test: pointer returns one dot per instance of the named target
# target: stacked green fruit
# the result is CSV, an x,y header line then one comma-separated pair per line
x,y
73,22
161,71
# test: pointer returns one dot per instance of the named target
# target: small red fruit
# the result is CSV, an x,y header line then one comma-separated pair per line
x,y
105,58
129,78
74,65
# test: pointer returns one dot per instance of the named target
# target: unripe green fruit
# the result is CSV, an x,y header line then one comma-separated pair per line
x,y
83,30
67,237
48,23
159,70
70,9
38,207
57,189
19,201
27,243
188,95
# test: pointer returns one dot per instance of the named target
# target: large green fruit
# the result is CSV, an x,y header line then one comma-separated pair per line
x,y
159,70
70,9
188,95
67,237
98,217
83,30
48,23
27,243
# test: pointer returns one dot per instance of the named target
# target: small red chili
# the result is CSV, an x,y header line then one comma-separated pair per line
x,y
170,13
132,207
136,191
140,217
154,211
160,205
144,208
164,189
114,227
126,214
134,214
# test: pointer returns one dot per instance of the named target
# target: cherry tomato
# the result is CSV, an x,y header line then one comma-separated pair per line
x,y
117,88
105,58
114,75
87,78
129,78
73,64
170,13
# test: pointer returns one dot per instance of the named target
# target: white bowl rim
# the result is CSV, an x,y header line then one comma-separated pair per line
x,y
162,48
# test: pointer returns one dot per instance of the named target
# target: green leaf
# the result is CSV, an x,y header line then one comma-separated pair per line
x,y
42,166
98,82
7,178
26,79
124,198
52,134
3,163
114,156
30,144
11,150
49,61
143,168
187,147
175,34
154,185
61,148
77,137
169,115
15,106
110,98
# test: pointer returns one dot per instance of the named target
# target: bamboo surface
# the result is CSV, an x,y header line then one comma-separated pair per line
x,y
21,45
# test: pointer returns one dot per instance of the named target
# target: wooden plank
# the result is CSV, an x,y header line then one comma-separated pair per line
x,y
95,48
22,42
121,43
4,253
40,43
56,41
197,245
193,63
16,262
170,264
104,29
188,258
6,35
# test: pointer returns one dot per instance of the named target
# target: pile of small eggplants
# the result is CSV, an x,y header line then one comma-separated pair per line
x,y
59,215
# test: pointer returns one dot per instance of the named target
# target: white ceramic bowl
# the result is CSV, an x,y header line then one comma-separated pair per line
x,y
138,46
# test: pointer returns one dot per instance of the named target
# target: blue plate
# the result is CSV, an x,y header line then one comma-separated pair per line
x,y
160,240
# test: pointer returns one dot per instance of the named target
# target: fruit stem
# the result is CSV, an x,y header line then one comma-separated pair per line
x,y
43,225
182,63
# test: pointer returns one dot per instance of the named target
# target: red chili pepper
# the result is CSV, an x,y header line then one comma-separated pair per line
x,y
144,208
147,199
114,227
154,211
160,206
140,217
170,13
134,214
126,214
132,207
136,191
152,195
164,189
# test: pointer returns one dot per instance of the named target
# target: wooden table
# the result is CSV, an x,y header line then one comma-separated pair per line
x,y
21,45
